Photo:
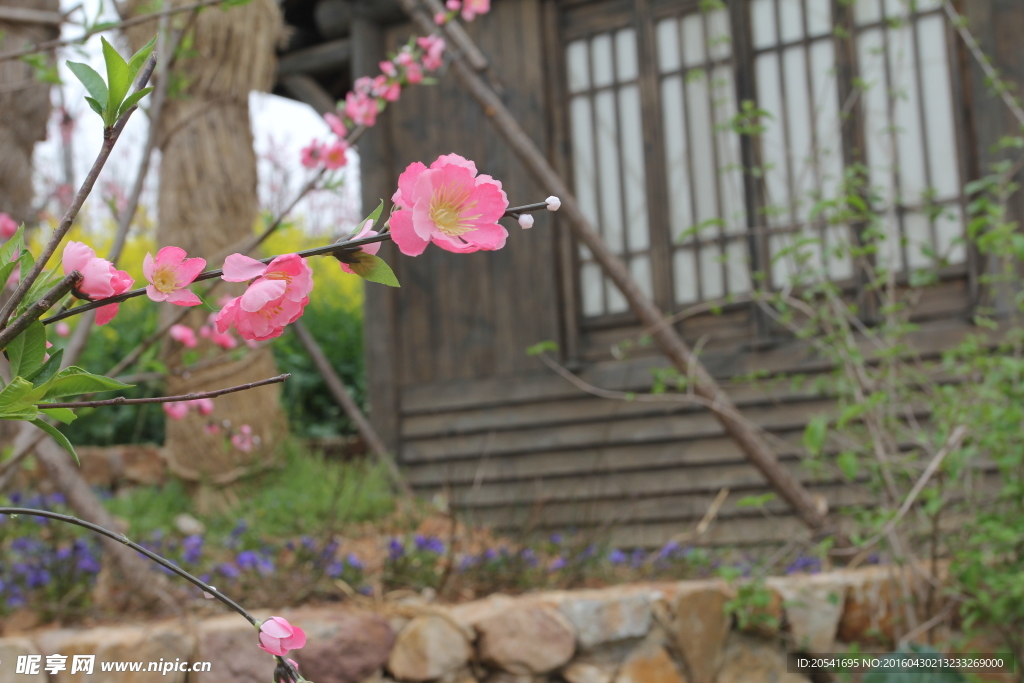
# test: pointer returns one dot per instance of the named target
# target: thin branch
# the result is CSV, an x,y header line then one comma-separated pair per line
x,y
952,443
134,21
110,137
121,538
122,401
36,310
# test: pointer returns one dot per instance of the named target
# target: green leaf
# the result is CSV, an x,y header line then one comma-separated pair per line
x,y
92,81
814,434
119,77
11,249
140,57
73,381
26,351
46,280
132,100
847,462
58,437
375,216
96,106
372,268
542,347
47,369
755,501
65,415
13,393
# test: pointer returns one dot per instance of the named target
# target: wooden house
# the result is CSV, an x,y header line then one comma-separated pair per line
x,y
632,101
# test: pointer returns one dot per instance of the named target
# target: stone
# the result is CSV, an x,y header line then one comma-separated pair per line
x,y
606,616
766,621
342,646
461,675
229,643
10,650
148,643
585,672
650,663
813,606
189,525
429,647
700,627
871,611
755,660
469,614
528,639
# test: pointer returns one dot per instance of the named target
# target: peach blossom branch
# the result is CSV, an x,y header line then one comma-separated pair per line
x,y
122,401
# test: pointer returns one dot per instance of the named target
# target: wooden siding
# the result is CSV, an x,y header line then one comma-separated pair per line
x,y
532,451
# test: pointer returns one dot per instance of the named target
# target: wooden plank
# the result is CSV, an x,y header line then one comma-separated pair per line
x,y
25,15
687,509
627,431
607,459
794,357
739,533
305,89
333,55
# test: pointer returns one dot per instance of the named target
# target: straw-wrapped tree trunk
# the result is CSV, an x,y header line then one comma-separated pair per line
x,y
207,202
24,108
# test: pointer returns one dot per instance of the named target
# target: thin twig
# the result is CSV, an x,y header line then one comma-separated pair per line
x,y
110,137
36,310
952,443
122,401
134,21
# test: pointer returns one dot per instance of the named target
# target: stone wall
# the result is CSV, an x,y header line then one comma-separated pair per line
x,y
649,633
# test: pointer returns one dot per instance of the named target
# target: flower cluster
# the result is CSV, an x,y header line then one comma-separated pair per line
x,y
276,297
177,410
470,9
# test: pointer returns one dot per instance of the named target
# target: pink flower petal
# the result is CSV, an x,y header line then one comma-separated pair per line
x,y
241,268
170,256
147,267
155,294
405,236
104,314
277,627
261,293
188,270
183,297
404,196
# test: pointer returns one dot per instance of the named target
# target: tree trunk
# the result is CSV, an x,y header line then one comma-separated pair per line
x,y
208,202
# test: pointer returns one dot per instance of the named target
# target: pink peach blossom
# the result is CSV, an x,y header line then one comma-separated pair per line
x,y
363,85
404,58
170,274
184,335
277,636
449,205
7,226
212,429
209,331
177,410
433,47
371,248
203,405
386,89
311,154
471,8
361,108
453,5
276,298
440,18
63,329
414,73
336,125
388,67
99,278
334,155
243,441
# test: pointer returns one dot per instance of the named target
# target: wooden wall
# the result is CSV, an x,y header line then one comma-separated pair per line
x,y
514,445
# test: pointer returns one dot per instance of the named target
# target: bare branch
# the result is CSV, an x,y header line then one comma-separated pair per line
x,y
122,401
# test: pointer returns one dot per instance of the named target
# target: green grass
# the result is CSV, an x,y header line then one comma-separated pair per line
x,y
306,495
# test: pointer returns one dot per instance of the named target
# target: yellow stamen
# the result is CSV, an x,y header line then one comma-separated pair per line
x,y
447,209
164,279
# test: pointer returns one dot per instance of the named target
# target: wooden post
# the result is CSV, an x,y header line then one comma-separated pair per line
x,y
745,434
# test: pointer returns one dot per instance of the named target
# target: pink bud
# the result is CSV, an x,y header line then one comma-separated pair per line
x,y
388,67
184,336
63,329
177,410
440,18
336,125
525,221
277,636
554,203
203,405
7,226
453,5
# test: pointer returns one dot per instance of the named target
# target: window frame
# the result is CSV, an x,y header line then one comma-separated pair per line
x,y
584,18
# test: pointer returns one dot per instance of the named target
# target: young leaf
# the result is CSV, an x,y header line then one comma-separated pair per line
x,y
119,79
58,437
96,106
140,57
814,434
11,249
372,268
13,393
375,215
132,100
47,369
74,380
65,415
847,462
92,81
26,351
